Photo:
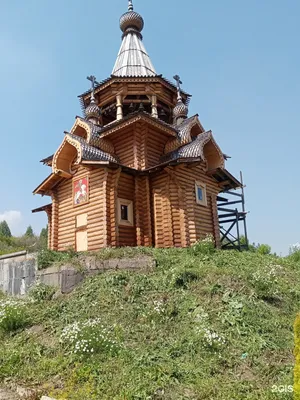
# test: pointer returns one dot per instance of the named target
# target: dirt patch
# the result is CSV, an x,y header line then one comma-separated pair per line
x,y
6,394
42,337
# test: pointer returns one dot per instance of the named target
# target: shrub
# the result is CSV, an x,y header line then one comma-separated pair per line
x,y
295,256
46,258
183,278
264,249
204,246
295,253
41,292
9,245
119,280
211,339
12,315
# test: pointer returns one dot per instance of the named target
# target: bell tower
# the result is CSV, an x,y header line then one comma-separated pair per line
x,y
134,85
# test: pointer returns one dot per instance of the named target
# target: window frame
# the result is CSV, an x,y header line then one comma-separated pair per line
x,y
201,186
129,204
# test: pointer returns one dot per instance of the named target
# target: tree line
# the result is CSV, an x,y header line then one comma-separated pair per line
x,y
29,241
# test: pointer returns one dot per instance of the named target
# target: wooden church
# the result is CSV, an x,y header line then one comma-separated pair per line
x,y
135,170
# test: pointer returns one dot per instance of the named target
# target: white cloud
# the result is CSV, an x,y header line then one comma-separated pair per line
x,y
13,218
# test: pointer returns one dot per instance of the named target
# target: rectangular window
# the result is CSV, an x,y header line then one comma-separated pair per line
x,y
200,193
125,212
200,189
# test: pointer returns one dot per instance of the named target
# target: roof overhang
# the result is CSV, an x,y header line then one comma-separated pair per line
x,y
225,179
136,117
48,184
47,160
117,79
46,208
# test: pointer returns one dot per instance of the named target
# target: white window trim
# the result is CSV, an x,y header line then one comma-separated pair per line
x,y
203,187
129,204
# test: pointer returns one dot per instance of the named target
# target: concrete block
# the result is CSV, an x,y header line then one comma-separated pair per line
x,y
88,262
18,274
99,264
48,271
111,264
70,278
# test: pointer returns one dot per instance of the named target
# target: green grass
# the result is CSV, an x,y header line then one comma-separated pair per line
x,y
161,321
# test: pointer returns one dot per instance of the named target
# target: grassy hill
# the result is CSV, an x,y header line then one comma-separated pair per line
x,y
204,324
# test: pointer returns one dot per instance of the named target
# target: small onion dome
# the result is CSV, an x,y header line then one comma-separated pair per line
x,y
131,19
92,110
180,110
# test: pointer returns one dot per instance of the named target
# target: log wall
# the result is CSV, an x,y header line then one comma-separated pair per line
x,y
177,219
143,211
49,215
111,204
54,222
124,146
139,146
64,220
155,147
164,207
126,190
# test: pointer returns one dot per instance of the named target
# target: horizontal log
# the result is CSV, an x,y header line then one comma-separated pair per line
x,y
82,209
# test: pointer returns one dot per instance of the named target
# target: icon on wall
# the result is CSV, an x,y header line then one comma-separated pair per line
x,y
80,191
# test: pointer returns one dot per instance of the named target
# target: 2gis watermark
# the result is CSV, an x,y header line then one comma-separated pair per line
x,y
282,389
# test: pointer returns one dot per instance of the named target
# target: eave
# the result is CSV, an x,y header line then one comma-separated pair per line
x,y
48,184
46,208
225,179
135,117
47,160
114,79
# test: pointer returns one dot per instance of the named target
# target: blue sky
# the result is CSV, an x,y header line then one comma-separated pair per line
x,y
240,61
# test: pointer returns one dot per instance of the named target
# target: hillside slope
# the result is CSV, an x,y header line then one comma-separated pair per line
x,y
204,324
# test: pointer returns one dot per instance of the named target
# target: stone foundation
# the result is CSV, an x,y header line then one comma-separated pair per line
x,y
19,271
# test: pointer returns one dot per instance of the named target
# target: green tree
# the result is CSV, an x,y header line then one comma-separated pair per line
x,y
264,249
44,237
4,229
29,232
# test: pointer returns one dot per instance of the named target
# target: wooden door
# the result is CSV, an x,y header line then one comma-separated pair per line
x,y
162,215
81,240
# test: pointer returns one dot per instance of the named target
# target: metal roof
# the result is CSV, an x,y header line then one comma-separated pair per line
x,y
133,59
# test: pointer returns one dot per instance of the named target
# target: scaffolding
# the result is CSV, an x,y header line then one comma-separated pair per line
x,y
232,218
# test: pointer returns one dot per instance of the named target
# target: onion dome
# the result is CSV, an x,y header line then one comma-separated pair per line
x,y
180,110
131,20
92,110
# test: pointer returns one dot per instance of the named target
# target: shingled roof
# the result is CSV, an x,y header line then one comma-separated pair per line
x,y
91,153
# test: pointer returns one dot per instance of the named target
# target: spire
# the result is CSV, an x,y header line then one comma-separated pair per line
x,y
180,111
133,59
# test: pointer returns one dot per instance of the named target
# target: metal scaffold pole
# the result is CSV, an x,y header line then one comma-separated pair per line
x,y
232,213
